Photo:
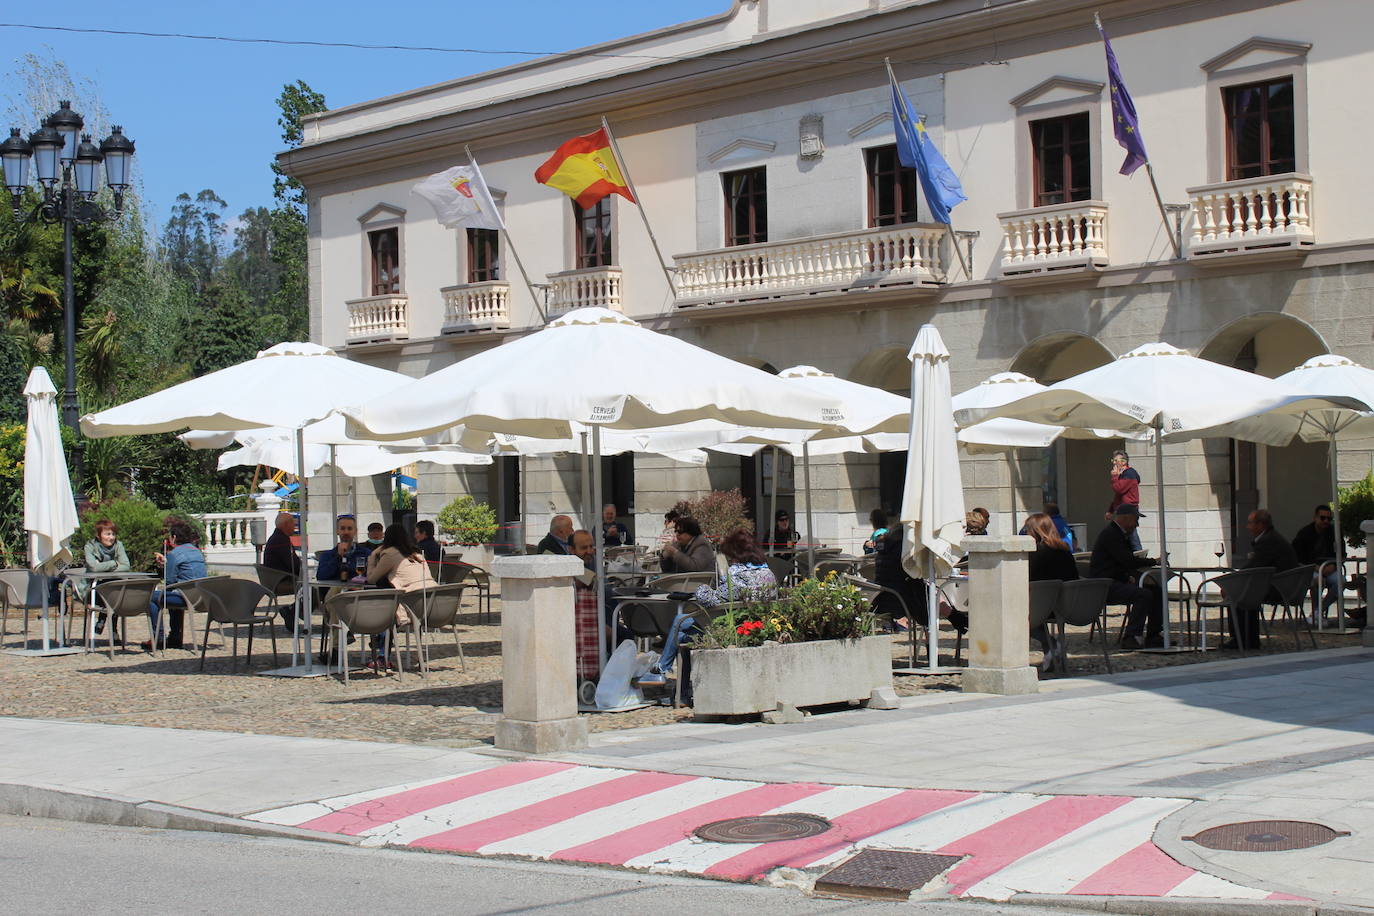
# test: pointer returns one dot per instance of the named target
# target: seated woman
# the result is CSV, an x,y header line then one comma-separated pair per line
x,y
104,553
398,563
878,519
748,577
1052,560
691,553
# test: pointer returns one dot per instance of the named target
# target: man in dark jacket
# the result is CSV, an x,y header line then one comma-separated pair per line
x,y
1268,548
1114,559
1315,542
556,541
279,553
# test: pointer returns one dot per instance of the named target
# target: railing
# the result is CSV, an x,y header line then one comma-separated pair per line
x,y
228,530
871,257
1274,212
476,306
589,286
378,318
1046,240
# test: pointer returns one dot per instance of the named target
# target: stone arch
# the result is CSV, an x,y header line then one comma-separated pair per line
x,y
1268,343
886,368
1054,357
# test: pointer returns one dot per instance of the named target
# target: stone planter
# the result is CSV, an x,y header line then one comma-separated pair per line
x,y
475,554
734,682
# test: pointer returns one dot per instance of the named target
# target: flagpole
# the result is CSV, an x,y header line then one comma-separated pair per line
x,y
634,192
510,244
1163,213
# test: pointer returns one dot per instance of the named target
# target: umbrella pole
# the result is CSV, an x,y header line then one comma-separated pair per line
x,y
1336,523
586,497
810,525
306,596
333,485
773,504
1163,529
600,542
524,507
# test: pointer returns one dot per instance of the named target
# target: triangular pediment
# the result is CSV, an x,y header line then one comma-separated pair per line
x,y
882,119
741,148
1058,89
382,213
1257,51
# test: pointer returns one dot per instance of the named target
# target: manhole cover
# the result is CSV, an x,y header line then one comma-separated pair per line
x,y
884,873
1266,836
764,828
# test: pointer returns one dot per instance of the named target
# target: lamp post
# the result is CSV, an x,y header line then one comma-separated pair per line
x,y
68,167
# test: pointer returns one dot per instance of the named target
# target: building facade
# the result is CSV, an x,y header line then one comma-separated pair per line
x,y
760,142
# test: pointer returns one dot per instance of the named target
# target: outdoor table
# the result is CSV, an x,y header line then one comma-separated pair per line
x,y
74,576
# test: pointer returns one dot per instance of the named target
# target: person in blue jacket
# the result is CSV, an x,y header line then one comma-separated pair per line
x,y
182,562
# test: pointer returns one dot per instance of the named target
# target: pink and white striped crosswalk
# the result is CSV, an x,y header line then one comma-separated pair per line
x,y
1010,842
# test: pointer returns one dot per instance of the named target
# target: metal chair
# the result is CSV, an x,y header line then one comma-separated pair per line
x,y
681,582
867,567
1044,601
189,623
125,598
1083,603
282,585
16,592
367,612
230,602
456,571
1288,590
824,568
649,619
784,569
875,593
434,609
1238,593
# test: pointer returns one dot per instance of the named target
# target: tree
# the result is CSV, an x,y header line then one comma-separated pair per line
x,y
289,217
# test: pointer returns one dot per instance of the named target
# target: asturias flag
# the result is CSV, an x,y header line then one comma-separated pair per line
x,y
460,198
1125,124
915,150
585,169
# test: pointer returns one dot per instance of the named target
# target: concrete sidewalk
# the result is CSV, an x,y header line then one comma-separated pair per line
x,y
1278,737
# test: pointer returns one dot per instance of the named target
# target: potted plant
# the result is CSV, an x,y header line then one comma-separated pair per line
x,y
718,513
812,645
472,525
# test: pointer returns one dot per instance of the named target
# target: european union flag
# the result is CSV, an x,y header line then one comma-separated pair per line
x,y
915,150
1125,124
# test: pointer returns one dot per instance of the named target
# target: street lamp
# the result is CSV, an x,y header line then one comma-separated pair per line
x,y
68,167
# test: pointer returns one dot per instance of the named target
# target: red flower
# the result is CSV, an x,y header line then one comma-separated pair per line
x,y
742,629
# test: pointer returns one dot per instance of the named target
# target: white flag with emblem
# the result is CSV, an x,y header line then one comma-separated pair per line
x,y
460,198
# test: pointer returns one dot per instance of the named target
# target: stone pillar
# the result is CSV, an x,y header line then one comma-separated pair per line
x,y
538,655
999,616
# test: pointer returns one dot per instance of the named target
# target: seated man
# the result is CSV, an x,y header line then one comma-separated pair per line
x,y
556,541
1316,542
182,562
1113,558
1268,548
587,634
424,539
279,553
348,558
691,553
374,537
613,533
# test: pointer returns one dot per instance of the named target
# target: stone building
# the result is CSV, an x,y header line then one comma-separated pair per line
x,y
761,144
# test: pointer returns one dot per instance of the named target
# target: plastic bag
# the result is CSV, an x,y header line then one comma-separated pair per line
x,y
614,688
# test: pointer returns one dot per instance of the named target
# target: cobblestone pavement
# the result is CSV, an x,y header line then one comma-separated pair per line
x,y
450,707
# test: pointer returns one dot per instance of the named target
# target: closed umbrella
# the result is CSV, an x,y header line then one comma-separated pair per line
x,y
933,494
50,517
1161,388
289,385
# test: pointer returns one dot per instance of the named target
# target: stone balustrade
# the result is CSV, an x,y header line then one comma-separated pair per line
x,y
1049,240
378,318
1254,215
588,286
870,257
476,306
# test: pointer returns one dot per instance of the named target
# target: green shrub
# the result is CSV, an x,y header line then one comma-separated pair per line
x,y
140,524
468,521
12,545
1357,505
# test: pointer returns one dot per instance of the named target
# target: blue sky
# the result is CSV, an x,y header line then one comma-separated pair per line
x,y
203,113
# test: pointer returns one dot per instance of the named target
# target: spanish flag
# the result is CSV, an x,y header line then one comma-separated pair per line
x,y
585,169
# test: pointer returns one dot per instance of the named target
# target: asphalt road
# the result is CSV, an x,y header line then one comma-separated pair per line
x,y
62,867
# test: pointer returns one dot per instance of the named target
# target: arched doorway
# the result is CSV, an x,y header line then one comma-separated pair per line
x,y
889,369
1287,481
1073,471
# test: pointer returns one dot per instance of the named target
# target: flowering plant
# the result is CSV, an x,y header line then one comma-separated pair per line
x,y
816,609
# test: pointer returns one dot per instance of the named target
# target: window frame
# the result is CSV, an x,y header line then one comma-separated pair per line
x,y
1230,69
1265,163
606,231
379,218
477,241
758,203
373,237
1063,125
902,177
1059,97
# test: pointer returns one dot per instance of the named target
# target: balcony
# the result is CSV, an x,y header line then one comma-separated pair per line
x,y
378,319
588,286
472,307
1055,241
898,256
1258,216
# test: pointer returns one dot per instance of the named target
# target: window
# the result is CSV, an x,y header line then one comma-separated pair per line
x,y
746,206
891,188
1259,129
386,261
1061,150
484,255
593,228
